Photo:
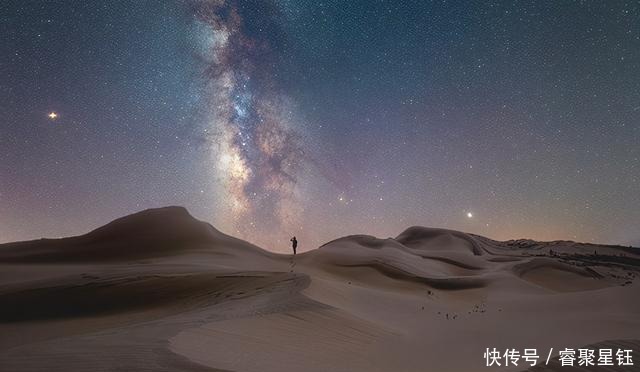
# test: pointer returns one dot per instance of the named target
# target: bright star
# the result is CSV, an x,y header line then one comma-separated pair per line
x,y
469,215
52,115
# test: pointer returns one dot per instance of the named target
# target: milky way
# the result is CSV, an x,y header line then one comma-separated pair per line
x,y
255,148
320,119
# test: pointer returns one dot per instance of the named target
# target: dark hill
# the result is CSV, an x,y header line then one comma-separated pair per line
x,y
146,234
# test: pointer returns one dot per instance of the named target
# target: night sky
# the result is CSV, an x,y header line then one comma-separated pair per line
x,y
323,118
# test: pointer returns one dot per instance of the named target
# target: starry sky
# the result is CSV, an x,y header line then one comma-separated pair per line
x,y
273,118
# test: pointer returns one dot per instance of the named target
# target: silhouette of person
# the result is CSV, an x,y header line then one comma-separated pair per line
x,y
294,244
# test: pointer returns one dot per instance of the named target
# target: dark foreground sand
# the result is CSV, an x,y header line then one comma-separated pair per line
x,y
160,291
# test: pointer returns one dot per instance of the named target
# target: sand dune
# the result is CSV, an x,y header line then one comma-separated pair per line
x,y
161,291
147,234
425,238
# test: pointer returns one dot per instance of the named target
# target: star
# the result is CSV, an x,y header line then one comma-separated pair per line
x,y
469,215
53,115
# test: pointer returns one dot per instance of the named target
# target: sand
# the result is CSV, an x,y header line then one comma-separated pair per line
x,y
161,291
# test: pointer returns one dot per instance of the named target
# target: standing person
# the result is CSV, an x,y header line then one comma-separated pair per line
x,y
294,244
